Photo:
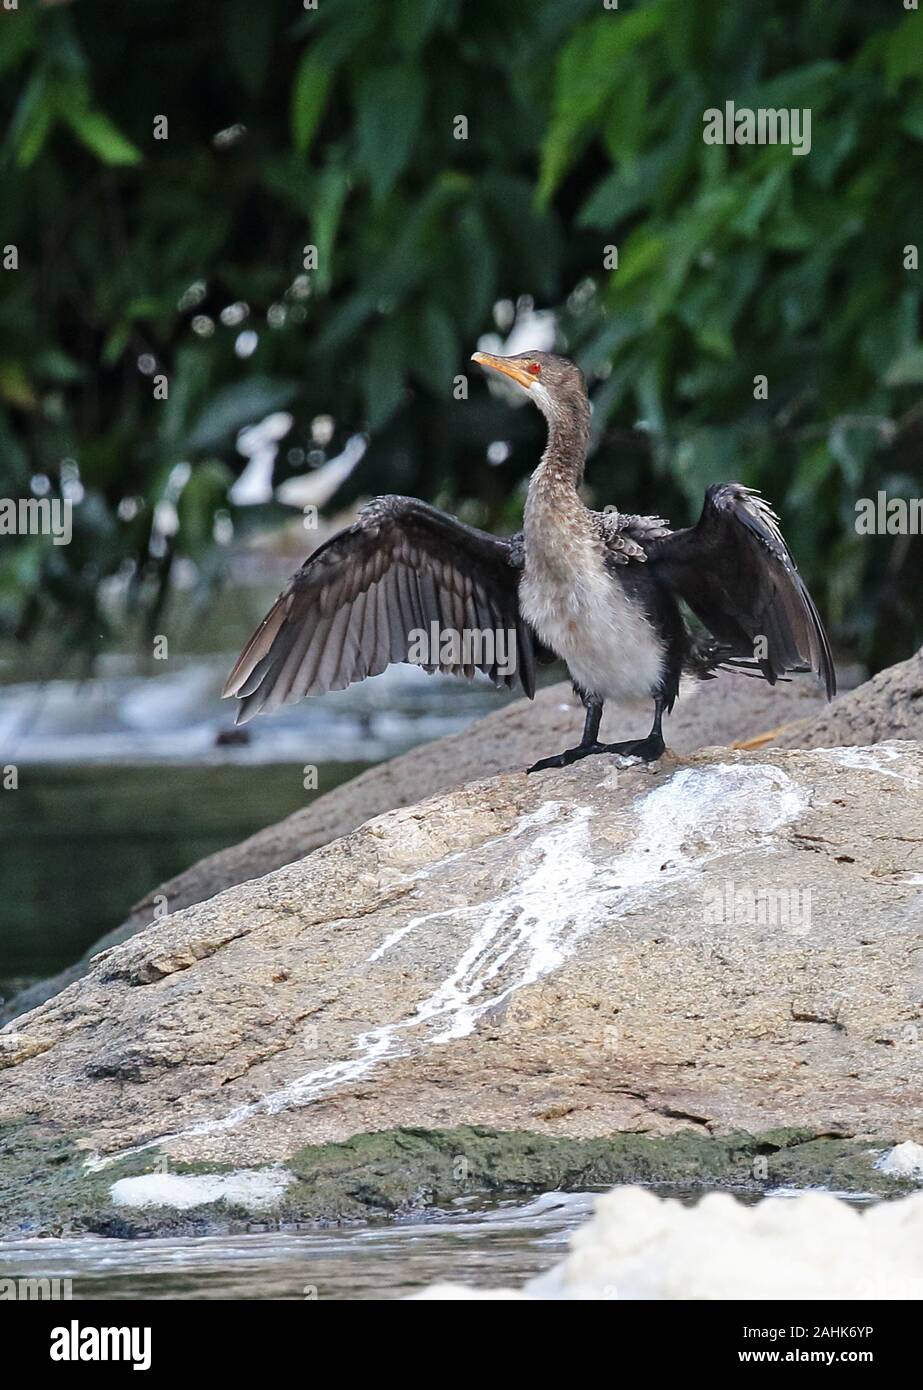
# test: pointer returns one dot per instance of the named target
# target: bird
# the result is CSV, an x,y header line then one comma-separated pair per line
x,y
629,604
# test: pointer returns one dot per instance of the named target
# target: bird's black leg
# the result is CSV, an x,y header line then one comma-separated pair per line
x,y
647,749
587,745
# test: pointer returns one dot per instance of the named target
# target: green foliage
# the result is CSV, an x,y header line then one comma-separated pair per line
x,y
584,132
309,97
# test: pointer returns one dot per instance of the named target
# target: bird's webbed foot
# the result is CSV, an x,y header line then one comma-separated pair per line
x,y
570,755
647,749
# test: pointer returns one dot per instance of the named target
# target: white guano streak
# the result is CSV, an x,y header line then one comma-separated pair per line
x,y
559,894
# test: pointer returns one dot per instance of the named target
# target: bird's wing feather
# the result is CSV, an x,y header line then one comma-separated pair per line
x,y
734,570
352,607
628,537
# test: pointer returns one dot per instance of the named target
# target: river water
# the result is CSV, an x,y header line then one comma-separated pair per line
x,y
125,780
485,1245
505,1244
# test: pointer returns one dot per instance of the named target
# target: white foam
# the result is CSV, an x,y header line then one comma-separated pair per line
x,y
638,1246
903,1161
256,1189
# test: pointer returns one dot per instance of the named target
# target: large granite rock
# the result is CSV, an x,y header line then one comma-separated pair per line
x,y
719,712
731,711
890,705
731,941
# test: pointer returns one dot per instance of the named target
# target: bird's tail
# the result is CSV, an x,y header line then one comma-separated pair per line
x,y
707,657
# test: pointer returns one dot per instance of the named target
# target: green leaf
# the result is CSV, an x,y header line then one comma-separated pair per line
x,y
18,37
33,136
622,193
709,455
853,445
533,238
330,197
390,104
907,369
813,471
32,119
15,458
403,266
15,386
904,53
475,268
116,343
95,130
55,365
644,252
761,198
233,407
349,25
309,97
811,84
627,121
912,117
591,70
189,381
21,569
384,375
415,20
204,493
436,359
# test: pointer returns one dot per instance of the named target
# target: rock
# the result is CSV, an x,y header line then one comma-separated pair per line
x,y
719,712
890,705
51,1187
728,942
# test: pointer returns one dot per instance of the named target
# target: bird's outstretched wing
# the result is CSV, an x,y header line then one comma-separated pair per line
x,y
358,602
735,571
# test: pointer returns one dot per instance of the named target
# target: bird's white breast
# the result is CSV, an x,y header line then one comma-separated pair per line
x,y
583,614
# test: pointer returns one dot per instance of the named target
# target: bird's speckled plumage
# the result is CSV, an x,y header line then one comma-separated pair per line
x,y
568,594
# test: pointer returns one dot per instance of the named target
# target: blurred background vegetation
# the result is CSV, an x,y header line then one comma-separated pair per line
x,y
335,127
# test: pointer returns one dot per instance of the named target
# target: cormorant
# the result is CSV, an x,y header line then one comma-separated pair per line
x,y
600,590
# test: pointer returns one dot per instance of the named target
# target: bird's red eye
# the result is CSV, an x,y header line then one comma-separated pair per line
x,y
535,368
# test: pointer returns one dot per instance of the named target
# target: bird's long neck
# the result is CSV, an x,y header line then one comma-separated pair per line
x,y
553,486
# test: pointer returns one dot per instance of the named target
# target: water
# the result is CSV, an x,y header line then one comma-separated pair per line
x,y
137,717
126,780
484,1244
79,845
488,1246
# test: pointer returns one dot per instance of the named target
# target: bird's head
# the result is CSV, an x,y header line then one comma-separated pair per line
x,y
555,384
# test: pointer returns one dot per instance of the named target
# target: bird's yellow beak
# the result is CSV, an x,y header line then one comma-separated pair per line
x,y
507,366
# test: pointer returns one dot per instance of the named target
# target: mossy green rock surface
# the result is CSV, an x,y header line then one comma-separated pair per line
x,y
46,1187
